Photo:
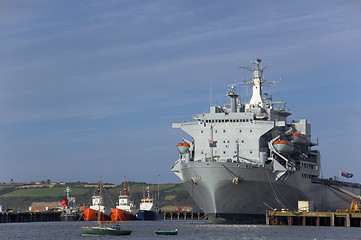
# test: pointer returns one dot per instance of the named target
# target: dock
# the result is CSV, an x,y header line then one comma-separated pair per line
x,y
183,215
304,218
11,217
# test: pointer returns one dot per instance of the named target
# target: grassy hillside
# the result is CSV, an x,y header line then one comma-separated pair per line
x,y
18,196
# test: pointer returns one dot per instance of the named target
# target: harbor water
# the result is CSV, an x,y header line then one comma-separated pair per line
x,y
186,230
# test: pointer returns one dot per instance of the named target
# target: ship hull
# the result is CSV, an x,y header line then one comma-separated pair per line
x,y
149,215
92,215
234,192
122,215
70,217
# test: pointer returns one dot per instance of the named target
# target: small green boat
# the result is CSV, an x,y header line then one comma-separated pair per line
x,y
104,231
160,232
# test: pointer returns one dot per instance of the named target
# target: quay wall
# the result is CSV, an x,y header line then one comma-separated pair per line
x,y
11,217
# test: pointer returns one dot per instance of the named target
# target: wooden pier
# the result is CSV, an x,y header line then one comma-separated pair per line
x,y
10,217
293,218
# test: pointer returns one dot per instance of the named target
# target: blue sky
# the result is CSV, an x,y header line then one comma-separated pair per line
x,y
90,88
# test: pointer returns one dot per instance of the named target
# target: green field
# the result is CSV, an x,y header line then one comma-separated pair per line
x,y
44,192
14,197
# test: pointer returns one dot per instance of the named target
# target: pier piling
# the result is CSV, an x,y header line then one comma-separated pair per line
x,y
292,218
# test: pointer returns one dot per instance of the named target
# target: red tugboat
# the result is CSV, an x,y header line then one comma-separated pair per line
x,y
125,210
97,207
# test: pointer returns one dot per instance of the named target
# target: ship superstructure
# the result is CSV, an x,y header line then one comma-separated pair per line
x,y
246,158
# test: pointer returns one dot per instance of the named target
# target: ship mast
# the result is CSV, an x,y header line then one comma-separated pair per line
x,y
257,84
257,81
125,190
67,190
100,197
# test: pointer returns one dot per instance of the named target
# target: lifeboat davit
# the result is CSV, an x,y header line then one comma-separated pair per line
x,y
183,147
283,146
297,138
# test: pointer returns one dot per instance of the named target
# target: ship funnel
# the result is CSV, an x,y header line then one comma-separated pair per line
x,y
233,96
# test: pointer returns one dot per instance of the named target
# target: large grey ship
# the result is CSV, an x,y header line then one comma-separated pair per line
x,y
245,158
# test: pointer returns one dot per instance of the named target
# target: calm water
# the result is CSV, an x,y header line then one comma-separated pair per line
x,y
186,230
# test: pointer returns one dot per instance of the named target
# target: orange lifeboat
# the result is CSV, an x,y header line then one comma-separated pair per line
x,y
297,138
283,146
183,147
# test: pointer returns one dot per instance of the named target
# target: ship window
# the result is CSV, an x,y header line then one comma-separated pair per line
x,y
224,131
215,131
201,152
224,141
242,141
250,152
250,130
228,141
201,131
240,130
224,152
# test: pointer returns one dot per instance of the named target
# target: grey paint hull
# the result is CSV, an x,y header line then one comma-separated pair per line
x,y
246,157
211,185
